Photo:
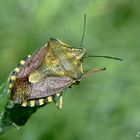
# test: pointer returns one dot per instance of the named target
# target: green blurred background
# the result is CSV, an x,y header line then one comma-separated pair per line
x,y
105,106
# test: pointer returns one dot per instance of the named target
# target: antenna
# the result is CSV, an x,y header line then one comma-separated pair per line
x,y
82,39
84,29
104,56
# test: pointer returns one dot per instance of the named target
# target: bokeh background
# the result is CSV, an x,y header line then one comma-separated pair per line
x,y
104,106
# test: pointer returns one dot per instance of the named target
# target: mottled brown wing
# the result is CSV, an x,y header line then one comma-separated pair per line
x,y
24,90
19,83
50,86
32,63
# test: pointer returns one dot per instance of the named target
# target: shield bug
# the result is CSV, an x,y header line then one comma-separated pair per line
x,y
42,77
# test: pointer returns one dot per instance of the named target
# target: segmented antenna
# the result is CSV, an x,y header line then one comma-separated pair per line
x,y
84,29
104,56
82,39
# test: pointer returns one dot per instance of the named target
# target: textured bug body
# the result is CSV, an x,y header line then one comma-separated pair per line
x,y
43,76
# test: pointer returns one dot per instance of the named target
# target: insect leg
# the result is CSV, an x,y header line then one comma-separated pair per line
x,y
93,71
58,100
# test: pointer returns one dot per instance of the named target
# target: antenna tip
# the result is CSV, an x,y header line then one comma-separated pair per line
x,y
121,59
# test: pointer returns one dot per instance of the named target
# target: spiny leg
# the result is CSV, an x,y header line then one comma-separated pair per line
x,y
93,71
58,100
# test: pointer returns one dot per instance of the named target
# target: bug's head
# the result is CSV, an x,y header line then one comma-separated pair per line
x,y
58,45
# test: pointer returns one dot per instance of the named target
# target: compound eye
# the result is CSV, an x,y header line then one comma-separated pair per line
x,y
53,39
